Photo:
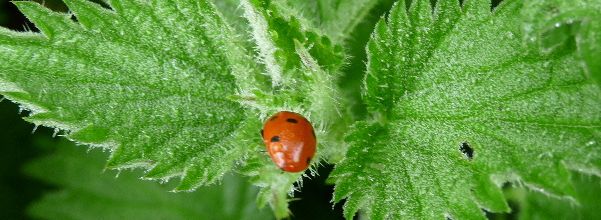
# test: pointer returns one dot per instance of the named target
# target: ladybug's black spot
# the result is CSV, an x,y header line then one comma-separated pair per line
x,y
467,150
292,120
273,118
308,160
275,139
262,133
313,132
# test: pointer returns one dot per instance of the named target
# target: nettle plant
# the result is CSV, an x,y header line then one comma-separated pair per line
x,y
457,98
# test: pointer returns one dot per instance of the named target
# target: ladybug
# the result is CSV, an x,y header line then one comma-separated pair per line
x,y
290,141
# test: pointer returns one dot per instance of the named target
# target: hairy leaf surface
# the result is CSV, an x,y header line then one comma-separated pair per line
x,y
149,80
461,104
302,67
170,87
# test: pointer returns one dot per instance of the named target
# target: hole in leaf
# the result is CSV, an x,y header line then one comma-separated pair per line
x,y
467,150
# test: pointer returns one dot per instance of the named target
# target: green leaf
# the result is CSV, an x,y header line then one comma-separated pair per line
x,y
535,205
168,86
459,105
86,192
232,13
336,19
303,67
149,81
552,23
589,43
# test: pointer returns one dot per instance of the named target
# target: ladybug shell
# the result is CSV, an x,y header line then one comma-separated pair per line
x,y
290,141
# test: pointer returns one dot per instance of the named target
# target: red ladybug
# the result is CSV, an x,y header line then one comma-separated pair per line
x,y
290,141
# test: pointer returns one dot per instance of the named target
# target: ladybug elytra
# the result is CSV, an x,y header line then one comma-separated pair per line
x,y
290,141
